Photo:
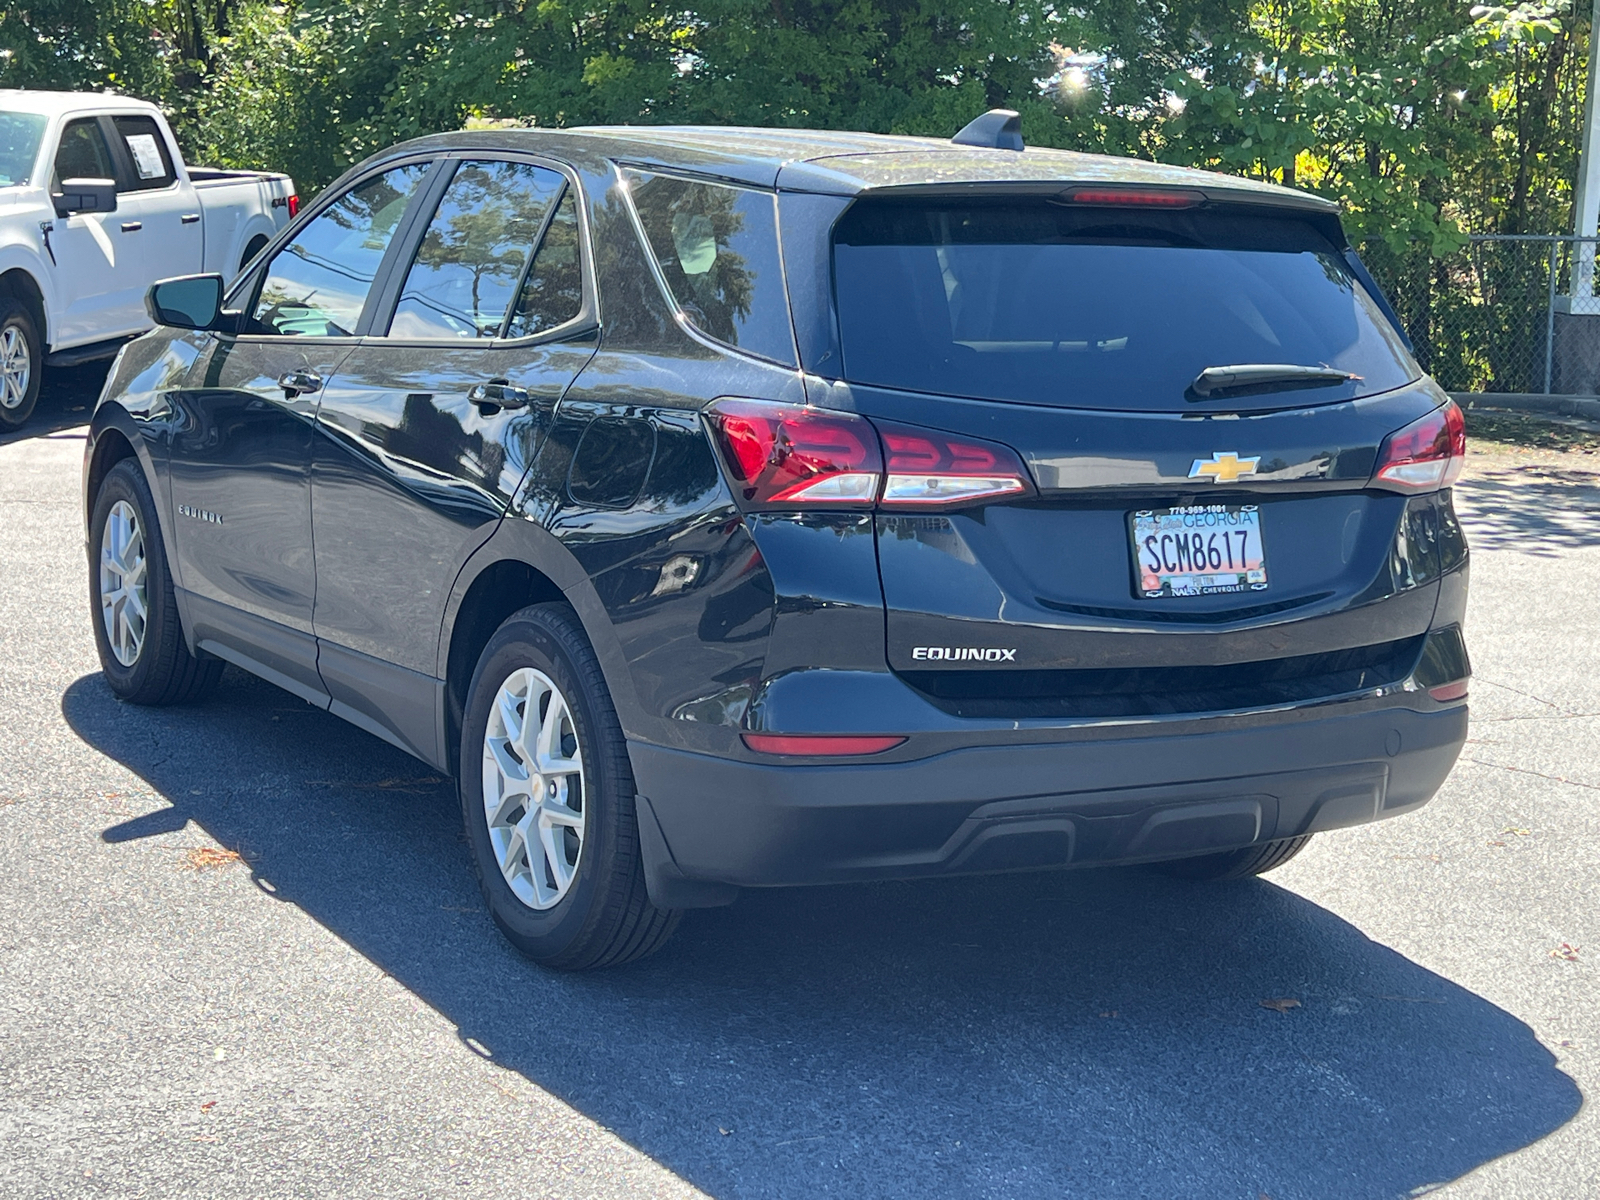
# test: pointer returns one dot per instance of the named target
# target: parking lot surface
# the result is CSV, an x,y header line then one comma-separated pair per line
x,y
242,953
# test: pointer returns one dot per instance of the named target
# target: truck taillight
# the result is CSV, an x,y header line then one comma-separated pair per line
x,y
791,456
294,206
928,469
1427,454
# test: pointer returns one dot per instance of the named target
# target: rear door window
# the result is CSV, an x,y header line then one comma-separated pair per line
x,y
717,246
148,157
317,285
473,258
552,294
1044,303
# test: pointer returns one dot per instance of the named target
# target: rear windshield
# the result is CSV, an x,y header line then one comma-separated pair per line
x,y
1039,302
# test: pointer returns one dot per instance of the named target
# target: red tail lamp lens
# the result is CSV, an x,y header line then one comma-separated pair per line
x,y
1426,454
1143,197
294,206
806,744
926,468
784,455
1450,691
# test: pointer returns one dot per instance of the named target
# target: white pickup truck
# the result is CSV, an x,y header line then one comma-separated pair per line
x,y
96,204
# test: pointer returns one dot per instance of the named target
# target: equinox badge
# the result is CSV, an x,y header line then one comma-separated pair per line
x,y
1223,467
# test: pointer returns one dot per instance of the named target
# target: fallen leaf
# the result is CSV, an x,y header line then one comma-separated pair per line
x,y
208,1106
1515,830
1283,1005
1566,951
203,858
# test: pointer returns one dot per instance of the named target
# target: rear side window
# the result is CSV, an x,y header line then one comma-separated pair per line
x,y
147,153
20,135
473,257
1043,303
553,292
83,153
718,248
317,285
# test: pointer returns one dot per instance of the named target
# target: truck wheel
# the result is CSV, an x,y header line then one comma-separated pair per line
x,y
21,361
547,798
257,244
136,626
1236,864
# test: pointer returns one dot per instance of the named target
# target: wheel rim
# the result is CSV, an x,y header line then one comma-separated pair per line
x,y
16,367
123,601
533,798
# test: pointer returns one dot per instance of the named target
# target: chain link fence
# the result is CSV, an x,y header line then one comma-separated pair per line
x,y
1511,314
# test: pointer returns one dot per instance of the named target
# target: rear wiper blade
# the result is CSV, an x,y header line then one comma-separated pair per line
x,y
1248,378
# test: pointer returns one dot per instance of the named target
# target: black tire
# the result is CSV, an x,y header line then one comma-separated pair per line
x,y
605,918
257,244
162,671
17,321
1236,864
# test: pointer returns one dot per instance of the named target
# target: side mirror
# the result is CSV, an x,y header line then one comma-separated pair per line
x,y
86,196
188,302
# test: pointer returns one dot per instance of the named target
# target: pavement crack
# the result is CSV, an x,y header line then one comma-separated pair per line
x,y
1526,771
1506,687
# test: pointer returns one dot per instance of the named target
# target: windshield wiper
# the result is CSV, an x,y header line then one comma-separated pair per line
x,y
1249,378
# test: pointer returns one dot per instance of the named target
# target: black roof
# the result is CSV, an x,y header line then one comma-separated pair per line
x,y
842,163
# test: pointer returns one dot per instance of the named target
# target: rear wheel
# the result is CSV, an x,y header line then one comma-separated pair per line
x,y
1236,864
21,360
256,246
547,799
136,626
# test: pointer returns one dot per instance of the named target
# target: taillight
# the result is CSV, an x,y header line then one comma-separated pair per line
x,y
827,744
787,456
1426,454
294,206
925,468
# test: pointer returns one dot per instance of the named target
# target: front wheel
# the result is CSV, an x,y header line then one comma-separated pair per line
x,y
21,360
136,626
1236,864
547,799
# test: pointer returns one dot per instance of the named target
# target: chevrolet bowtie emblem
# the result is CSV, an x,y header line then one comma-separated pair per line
x,y
1223,468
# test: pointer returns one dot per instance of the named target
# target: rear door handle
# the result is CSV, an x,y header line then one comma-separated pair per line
x,y
498,394
189,218
132,226
299,383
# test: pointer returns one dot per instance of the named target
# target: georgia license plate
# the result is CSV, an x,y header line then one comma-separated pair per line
x,y
1198,551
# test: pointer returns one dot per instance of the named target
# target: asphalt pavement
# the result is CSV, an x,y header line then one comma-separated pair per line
x,y
242,954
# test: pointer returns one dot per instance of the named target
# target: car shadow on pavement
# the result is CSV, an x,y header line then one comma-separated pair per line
x,y
67,398
1084,1033
1537,508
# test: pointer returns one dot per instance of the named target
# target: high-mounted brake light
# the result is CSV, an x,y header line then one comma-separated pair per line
x,y
788,456
1427,454
926,468
829,744
1123,196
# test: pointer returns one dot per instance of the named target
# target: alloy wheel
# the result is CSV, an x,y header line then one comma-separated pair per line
x,y
533,797
124,604
16,367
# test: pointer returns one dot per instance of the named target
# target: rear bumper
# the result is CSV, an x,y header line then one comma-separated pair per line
x,y
710,825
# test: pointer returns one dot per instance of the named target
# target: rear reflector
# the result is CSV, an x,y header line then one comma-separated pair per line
x,y
926,468
1426,455
789,456
806,744
1450,691
1144,197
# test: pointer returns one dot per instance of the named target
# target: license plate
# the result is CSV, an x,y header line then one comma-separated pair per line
x,y
1202,550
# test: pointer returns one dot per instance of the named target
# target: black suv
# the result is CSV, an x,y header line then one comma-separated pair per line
x,y
731,508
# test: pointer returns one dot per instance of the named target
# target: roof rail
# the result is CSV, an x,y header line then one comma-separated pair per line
x,y
997,129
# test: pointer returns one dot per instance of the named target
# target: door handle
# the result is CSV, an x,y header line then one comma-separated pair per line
x,y
132,226
497,395
298,383
189,218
